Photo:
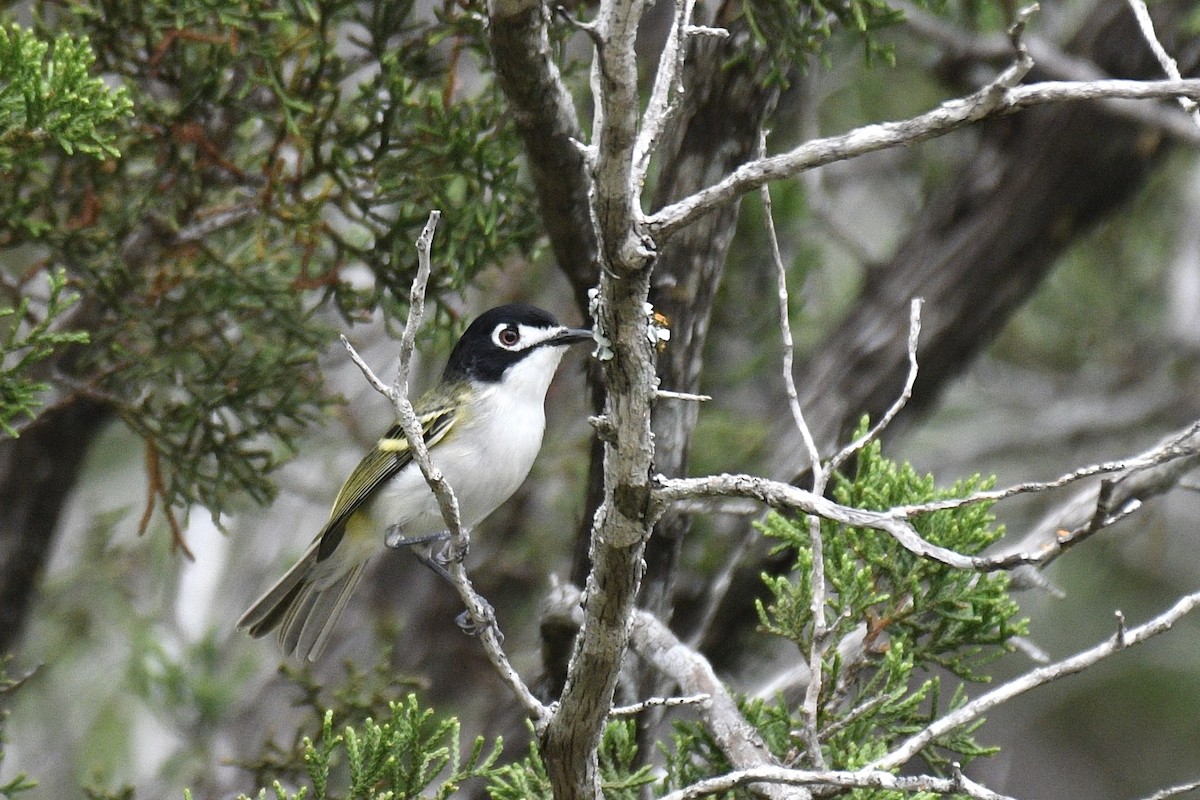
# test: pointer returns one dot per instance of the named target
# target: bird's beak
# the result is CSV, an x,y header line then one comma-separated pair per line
x,y
570,336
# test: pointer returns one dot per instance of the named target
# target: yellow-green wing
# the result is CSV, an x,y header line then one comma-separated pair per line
x,y
390,455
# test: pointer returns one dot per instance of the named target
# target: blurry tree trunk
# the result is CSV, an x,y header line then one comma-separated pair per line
x,y
37,473
1037,181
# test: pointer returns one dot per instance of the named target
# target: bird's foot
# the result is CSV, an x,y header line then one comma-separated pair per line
x,y
455,551
473,627
395,538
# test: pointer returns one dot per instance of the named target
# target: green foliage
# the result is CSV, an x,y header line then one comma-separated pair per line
x,y
792,30
31,339
953,619
225,357
348,148
20,782
353,700
913,614
406,755
284,157
621,776
48,96
522,780
899,627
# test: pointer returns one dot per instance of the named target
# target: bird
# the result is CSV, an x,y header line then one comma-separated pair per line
x,y
483,424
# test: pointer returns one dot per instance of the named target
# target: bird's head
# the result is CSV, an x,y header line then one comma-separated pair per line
x,y
514,345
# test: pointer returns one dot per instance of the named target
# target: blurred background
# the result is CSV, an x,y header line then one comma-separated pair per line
x,y
1058,252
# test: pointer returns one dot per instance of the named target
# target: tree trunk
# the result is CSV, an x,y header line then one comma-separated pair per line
x,y
37,473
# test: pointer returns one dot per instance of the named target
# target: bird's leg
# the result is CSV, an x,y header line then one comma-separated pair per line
x,y
395,538
437,563
434,563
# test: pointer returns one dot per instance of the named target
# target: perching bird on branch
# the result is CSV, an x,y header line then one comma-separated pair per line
x,y
483,426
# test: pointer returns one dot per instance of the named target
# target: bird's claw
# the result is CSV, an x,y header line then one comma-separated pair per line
x,y
472,627
455,551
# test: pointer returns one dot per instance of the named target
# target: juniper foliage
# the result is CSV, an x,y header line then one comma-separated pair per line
x,y
282,159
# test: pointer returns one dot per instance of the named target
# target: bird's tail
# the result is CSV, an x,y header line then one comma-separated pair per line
x,y
304,604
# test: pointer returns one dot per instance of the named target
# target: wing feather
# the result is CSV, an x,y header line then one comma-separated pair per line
x,y
391,455
306,602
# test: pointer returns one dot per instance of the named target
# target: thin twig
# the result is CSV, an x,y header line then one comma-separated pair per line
x,y
818,599
778,494
668,85
416,302
1034,678
914,334
893,522
366,370
666,394
1164,58
785,323
586,28
1175,791
860,779
1051,60
1178,446
659,702
947,117
206,225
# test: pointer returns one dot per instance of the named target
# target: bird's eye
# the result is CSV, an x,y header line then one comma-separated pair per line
x,y
508,337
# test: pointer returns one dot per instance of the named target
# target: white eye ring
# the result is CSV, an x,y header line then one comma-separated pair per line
x,y
507,336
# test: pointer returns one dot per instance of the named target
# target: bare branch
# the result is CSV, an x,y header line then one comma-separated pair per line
x,y
818,599
668,84
1142,14
860,779
1174,791
406,415
1146,475
1090,509
208,224
949,116
785,322
366,370
778,494
416,303
618,538
1182,447
914,334
664,394
615,195
1034,678
737,738
659,702
1050,59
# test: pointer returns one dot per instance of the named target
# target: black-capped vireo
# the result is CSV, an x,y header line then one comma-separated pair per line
x,y
483,425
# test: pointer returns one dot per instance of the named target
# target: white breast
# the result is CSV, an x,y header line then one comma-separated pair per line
x,y
486,457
